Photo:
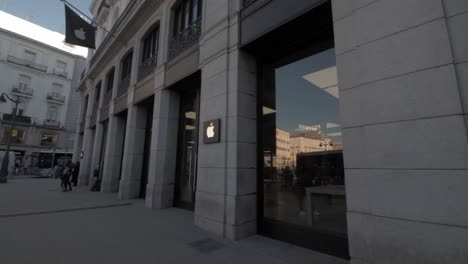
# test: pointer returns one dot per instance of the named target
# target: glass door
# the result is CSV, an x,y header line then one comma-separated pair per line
x,y
304,199
187,149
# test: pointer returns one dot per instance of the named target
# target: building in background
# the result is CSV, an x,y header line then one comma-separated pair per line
x,y
189,103
37,67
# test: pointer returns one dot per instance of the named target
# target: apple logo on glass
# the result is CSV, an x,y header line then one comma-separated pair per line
x,y
80,34
210,131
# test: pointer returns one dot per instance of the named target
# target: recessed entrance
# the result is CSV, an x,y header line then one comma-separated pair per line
x,y
187,150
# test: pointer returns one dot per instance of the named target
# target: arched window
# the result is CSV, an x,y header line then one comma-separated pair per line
x,y
52,114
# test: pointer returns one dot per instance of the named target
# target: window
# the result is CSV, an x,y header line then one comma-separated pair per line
x,y
126,66
110,82
19,111
150,47
61,66
48,139
186,13
30,56
17,135
97,94
52,114
24,81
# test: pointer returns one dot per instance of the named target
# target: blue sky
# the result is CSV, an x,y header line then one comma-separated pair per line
x,y
300,102
46,13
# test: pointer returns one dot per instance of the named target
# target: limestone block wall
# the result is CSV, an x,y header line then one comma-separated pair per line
x,y
403,95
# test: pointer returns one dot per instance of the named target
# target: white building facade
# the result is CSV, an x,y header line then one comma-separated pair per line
x,y
37,68
182,102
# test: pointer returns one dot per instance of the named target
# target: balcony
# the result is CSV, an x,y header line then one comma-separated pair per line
x,y
22,90
18,119
56,98
147,67
26,63
185,39
52,123
60,73
123,86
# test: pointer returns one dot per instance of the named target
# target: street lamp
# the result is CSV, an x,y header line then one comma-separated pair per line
x,y
6,157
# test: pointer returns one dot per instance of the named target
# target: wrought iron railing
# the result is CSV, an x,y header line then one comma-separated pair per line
x,y
22,90
147,66
56,97
123,86
185,39
27,63
18,118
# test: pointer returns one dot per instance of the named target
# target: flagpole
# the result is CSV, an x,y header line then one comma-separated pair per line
x,y
92,20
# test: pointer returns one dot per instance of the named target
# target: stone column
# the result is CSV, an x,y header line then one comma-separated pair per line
x,y
97,148
162,164
113,154
402,87
133,154
226,185
85,164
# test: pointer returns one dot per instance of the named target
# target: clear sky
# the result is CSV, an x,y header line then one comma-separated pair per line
x,y
46,13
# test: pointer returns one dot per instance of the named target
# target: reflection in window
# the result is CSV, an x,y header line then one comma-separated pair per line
x,y
302,144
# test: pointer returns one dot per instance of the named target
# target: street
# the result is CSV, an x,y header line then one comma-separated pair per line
x,y
41,224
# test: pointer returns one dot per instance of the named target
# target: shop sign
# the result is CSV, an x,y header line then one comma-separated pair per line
x,y
211,131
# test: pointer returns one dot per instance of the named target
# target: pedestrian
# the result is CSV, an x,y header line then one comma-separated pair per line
x,y
66,175
75,173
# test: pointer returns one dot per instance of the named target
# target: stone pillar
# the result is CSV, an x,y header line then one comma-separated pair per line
x,y
402,87
133,154
85,164
226,185
113,154
77,146
162,164
96,149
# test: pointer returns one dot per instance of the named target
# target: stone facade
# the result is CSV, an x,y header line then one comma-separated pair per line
x,y
403,99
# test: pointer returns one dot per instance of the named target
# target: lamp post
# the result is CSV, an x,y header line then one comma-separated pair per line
x,y
6,157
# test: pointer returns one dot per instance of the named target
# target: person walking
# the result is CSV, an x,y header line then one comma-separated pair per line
x,y
75,173
66,175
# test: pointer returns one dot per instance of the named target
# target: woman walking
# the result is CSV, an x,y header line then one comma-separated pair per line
x,y
66,175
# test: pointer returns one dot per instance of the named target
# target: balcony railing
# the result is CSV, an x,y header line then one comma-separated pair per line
x,y
123,86
18,118
185,39
147,66
27,63
56,97
22,90
60,72
52,123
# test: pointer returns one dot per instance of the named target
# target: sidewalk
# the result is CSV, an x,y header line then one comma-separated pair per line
x,y
40,224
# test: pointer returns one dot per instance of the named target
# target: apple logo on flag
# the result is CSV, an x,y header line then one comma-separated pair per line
x,y
210,131
80,34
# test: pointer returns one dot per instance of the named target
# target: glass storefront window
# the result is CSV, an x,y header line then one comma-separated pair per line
x,y
303,172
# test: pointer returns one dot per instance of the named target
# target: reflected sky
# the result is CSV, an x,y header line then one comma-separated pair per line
x,y
300,102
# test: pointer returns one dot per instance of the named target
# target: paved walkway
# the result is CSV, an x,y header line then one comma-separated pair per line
x,y
40,224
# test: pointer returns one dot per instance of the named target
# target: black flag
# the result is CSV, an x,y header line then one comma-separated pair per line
x,y
78,31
